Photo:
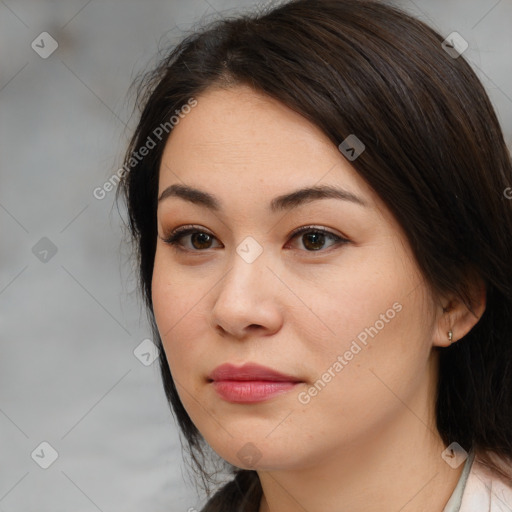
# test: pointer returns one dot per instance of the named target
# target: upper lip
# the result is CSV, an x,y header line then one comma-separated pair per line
x,y
249,371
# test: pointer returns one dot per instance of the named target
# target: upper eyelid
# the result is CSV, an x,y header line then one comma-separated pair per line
x,y
321,229
296,231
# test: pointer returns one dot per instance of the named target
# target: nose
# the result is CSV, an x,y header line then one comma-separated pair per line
x,y
248,300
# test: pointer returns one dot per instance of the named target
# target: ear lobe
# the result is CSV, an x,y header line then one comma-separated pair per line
x,y
457,317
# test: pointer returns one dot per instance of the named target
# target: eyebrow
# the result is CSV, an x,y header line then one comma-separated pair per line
x,y
283,202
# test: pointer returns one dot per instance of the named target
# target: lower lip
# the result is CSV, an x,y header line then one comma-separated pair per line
x,y
250,391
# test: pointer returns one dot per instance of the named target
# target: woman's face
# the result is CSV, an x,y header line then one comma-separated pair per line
x,y
351,321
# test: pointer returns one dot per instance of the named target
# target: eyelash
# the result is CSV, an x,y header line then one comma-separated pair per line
x,y
175,237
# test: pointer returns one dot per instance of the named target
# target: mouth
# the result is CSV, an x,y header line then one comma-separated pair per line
x,y
246,392
249,372
250,383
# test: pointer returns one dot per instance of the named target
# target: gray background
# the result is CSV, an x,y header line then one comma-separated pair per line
x,y
70,323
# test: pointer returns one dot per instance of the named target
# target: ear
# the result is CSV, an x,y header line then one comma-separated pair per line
x,y
454,315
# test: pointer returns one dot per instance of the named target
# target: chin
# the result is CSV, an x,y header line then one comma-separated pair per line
x,y
259,454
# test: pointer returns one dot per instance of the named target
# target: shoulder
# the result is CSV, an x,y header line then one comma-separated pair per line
x,y
487,490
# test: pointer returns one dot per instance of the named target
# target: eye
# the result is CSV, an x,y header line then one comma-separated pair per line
x,y
314,238
200,239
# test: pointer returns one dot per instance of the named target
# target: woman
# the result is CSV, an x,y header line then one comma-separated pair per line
x,y
317,199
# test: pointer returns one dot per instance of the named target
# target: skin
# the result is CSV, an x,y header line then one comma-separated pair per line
x,y
367,441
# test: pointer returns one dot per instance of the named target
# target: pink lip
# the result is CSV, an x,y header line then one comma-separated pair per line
x,y
249,383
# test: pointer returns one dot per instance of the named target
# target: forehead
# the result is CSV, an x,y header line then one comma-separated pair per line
x,y
241,142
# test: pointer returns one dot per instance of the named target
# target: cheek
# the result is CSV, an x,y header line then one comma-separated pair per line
x,y
179,309
374,334
362,298
380,364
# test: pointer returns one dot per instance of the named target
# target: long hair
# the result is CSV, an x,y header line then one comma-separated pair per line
x,y
435,154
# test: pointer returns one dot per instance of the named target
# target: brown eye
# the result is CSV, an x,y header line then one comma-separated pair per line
x,y
314,239
199,240
203,240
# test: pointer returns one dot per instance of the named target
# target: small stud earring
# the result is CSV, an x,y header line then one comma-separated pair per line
x,y
450,336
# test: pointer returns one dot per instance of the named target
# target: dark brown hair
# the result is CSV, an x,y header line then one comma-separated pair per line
x,y
434,154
